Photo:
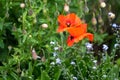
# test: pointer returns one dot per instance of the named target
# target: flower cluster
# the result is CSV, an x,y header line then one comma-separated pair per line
x,y
75,27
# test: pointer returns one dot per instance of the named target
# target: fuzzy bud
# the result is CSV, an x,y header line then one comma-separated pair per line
x,y
66,8
44,25
102,4
94,21
34,55
100,20
22,5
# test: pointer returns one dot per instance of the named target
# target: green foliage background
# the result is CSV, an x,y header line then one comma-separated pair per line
x,y
21,30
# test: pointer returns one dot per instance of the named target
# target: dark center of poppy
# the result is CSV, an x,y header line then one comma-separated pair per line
x,y
71,37
68,24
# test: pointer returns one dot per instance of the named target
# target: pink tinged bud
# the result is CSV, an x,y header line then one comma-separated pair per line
x,y
34,55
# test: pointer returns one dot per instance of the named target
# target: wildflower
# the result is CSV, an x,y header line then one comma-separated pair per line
x,y
52,42
75,78
54,54
89,46
105,47
66,8
104,76
34,55
44,25
52,63
116,45
22,5
77,34
114,25
30,36
94,67
111,15
102,4
65,22
58,61
72,63
56,48
95,61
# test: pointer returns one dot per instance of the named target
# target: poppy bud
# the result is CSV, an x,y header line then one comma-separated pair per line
x,y
34,54
9,47
66,8
111,15
22,5
100,20
102,4
94,21
44,25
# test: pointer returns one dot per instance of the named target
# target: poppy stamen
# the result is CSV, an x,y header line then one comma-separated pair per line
x,y
68,24
71,37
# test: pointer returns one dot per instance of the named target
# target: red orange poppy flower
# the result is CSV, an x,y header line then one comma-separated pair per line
x,y
65,22
78,33
75,28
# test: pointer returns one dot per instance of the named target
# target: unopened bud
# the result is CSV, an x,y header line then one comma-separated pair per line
x,y
9,47
22,5
100,20
66,8
102,4
34,54
44,25
94,21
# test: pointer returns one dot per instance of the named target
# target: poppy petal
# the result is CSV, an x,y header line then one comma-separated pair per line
x,y
69,41
77,31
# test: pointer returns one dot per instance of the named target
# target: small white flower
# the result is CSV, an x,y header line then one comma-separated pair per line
x,y
104,76
52,42
54,54
52,63
105,47
56,48
111,15
95,61
94,67
75,78
89,46
116,45
58,61
72,63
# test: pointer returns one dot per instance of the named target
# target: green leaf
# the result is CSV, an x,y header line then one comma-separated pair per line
x,y
57,74
1,43
44,76
1,23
